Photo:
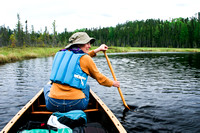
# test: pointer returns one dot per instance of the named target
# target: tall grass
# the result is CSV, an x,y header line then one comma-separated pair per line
x,y
8,54
16,54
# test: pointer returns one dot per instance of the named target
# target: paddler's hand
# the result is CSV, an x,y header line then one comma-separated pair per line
x,y
103,47
116,83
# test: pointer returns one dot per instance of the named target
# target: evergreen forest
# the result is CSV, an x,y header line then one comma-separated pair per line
x,y
176,33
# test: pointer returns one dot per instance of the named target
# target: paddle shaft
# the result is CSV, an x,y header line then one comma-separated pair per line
x,y
113,74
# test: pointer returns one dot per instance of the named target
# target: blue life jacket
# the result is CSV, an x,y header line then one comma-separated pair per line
x,y
66,70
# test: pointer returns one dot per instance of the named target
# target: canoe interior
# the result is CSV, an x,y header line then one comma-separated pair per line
x,y
96,112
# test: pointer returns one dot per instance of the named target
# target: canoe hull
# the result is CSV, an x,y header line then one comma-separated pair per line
x,y
35,110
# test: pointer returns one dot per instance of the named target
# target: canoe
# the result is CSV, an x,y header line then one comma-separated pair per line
x,y
35,110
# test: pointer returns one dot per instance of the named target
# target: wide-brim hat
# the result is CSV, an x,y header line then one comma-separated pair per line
x,y
79,38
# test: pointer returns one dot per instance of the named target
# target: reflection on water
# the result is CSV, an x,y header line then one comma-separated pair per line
x,y
165,88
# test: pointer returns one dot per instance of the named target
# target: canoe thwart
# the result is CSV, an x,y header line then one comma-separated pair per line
x,y
49,113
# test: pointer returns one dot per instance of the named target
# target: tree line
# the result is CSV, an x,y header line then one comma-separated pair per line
x,y
177,33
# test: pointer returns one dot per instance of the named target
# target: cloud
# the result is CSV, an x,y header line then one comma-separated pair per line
x,y
106,15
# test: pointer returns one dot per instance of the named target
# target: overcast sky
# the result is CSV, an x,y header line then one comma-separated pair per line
x,y
77,14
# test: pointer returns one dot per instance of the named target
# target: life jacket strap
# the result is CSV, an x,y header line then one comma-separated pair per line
x,y
80,77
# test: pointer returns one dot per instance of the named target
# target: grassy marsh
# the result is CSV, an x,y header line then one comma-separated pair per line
x,y
16,54
21,53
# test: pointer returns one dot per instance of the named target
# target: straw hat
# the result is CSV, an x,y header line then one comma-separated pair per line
x,y
79,38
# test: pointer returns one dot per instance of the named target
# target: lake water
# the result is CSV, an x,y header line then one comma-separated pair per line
x,y
164,86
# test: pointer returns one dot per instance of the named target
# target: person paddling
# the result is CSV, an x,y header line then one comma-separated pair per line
x,y
70,70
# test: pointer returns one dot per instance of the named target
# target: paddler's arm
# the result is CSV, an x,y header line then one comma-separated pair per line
x,y
89,67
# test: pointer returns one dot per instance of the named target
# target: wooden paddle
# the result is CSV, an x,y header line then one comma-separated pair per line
x,y
113,74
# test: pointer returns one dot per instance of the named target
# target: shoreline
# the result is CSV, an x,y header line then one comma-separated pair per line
x,y
8,55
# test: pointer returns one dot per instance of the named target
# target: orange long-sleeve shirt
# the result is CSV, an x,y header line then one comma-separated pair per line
x,y
59,91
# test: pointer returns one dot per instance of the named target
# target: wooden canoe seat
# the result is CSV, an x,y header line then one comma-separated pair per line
x,y
44,106
41,108
49,112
